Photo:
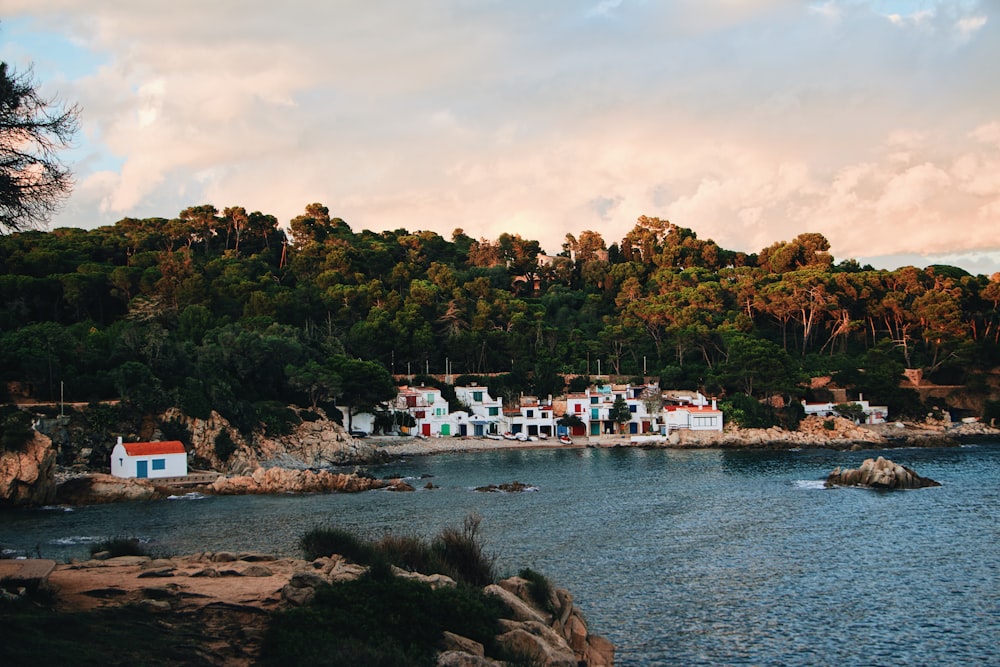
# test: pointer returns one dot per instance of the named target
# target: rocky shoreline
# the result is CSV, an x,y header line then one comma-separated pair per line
x,y
230,597
302,462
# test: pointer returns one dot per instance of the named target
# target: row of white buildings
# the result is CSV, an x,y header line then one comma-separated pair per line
x,y
481,415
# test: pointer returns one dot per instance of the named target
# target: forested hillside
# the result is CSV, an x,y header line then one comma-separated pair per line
x,y
220,310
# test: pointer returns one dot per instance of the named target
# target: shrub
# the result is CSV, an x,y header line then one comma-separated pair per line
x,y
539,588
175,429
15,429
320,542
455,552
462,553
828,424
379,620
277,418
224,445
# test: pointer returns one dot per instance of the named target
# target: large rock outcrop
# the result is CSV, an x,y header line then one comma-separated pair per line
x,y
283,480
556,636
99,488
879,473
312,444
27,476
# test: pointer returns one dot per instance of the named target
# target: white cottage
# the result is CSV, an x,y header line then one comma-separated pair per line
x,y
149,459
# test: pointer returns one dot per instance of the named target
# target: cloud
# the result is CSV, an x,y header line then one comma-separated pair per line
x,y
749,121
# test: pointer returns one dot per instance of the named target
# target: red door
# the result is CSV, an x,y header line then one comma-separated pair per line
x,y
426,429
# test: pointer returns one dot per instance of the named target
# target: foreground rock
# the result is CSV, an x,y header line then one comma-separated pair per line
x,y
879,473
27,476
282,480
231,595
100,488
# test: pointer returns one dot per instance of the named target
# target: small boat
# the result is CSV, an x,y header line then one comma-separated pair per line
x,y
494,436
565,439
509,436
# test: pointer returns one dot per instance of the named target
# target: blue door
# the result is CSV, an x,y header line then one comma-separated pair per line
x,y
142,469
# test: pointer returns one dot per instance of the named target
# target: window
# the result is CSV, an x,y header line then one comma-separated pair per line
x,y
159,464
494,412
633,408
477,396
593,400
530,414
595,414
578,407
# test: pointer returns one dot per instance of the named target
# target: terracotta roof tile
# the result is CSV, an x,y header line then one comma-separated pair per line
x,y
150,448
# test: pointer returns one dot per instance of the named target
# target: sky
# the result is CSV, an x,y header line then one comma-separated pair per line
x,y
873,122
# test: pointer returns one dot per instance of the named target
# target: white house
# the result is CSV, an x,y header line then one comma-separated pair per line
x,y
429,409
874,414
149,459
531,417
484,410
594,405
692,411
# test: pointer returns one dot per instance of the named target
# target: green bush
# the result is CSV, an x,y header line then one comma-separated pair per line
x,y
324,542
277,418
462,553
828,424
224,445
539,588
175,429
455,552
15,428
379,620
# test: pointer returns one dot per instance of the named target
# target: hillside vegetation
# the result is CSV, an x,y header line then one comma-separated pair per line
x,y
223,311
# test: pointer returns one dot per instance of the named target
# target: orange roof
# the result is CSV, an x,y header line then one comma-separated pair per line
x,y
148,448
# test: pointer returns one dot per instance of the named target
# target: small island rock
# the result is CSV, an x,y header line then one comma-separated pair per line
x,y
879,473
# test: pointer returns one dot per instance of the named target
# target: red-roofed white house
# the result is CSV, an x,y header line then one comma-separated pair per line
x,y
149,459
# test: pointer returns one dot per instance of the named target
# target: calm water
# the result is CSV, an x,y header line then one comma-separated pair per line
x,y
680,558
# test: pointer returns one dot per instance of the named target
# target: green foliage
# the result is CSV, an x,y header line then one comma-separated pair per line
x,y
828,424
174,429
851,411
455,552
747,412
224,445
619,412
276,418
379,620
324,542
791,415
210,311
15,428
539,587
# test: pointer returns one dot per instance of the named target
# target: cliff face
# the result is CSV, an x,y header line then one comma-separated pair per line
x,y
27,477
312,444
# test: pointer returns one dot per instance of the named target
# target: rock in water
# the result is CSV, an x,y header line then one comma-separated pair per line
x,y
879,473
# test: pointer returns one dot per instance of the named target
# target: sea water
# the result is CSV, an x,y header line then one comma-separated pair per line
x,y
707,557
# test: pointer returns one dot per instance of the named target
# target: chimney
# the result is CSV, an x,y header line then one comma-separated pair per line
x,y
713,405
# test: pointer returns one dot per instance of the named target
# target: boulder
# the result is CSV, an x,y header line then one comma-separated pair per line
x,y
879,473
284,480
537,642
101,488
27,476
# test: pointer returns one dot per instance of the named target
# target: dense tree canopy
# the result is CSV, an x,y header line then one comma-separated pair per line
x,y
221,311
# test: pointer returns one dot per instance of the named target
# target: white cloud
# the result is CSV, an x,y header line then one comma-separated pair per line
x,y
748,121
